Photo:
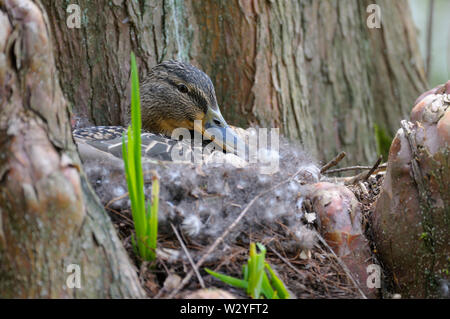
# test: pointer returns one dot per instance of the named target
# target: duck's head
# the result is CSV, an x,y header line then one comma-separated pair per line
x,y
175,94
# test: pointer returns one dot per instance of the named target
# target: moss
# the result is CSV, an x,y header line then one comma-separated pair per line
x,y
383,139
435,217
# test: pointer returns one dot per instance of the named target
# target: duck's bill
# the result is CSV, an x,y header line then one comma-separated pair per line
x,y
216,129
226,139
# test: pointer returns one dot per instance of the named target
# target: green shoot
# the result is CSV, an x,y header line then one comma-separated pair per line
x,y
235,282
145,217
280,289
153,217
256,281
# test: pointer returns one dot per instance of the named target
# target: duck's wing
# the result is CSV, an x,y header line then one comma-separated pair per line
x,y
103,144
98,133
106,141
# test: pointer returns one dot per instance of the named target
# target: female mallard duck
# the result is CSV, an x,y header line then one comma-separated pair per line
x,y
173,95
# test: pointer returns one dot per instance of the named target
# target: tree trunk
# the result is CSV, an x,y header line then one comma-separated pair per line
x,y
52,226
312,68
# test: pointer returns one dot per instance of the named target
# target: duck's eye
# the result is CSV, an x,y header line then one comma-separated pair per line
x,y
182,88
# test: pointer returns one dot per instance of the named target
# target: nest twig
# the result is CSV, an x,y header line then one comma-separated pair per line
x,y
333,162
354,168
191,261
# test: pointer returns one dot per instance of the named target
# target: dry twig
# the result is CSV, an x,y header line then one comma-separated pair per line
x,y
363,176
191,261
354,168
333,162
375,166
288,263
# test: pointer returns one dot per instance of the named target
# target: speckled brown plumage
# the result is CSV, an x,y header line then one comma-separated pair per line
x,y
96,133
173,95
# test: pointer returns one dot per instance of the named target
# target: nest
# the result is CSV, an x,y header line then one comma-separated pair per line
x,y
202,202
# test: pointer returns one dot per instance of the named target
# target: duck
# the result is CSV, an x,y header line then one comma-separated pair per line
x,y
174,95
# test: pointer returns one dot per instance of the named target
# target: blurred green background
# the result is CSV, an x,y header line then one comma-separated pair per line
x,y
440,48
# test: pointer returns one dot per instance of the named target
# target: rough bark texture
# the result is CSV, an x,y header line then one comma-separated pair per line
x,y
49,216
312,68
411,221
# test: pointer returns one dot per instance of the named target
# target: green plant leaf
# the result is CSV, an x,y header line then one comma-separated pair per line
x,y
152,209
256,271
266,288
256,281
145,217
277,284
239,283
245,271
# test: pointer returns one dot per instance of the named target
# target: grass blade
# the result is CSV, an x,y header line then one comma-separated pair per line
x,y
136,147
256,271
277,284
256,281
239,283
266,288
153,218
145,217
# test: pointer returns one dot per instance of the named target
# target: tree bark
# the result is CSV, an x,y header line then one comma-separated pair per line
x,y
49,216
312,68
